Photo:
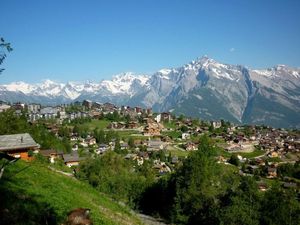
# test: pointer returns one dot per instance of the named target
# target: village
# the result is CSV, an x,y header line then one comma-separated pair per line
x,y
162,139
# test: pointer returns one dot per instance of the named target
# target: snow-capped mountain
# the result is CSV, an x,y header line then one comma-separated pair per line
x,y
125,84
202,88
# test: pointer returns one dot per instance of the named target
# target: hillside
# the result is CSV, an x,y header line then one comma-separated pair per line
x,y
33,194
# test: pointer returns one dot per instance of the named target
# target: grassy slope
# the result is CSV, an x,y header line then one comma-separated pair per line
x,y
42,188
101,124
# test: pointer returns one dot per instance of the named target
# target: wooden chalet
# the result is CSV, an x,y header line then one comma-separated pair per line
x,y
18,145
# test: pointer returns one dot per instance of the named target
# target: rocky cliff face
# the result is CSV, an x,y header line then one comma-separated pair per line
x,y
203,88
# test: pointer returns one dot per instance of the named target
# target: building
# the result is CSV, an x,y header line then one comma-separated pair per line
x,y
18,145
51,154
4,107
87,103
33,108
72,159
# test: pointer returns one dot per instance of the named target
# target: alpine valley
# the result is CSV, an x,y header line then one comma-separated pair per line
x,y
203,88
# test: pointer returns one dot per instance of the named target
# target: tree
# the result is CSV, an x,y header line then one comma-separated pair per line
x,y
241,206
4,48
234,160
131,142
184,128
197,183
280,207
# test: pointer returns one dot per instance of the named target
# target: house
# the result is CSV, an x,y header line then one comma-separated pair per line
x,y
158,118
262,186
155,145
162,167
102,148
272,172
3,108
166,116
72,159
48,112
75,147
18,145
185,136
174,160
87,103
124,146
51,154
90,141
152,128
132,125
33,108
190,146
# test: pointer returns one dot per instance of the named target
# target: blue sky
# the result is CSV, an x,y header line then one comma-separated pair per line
x,y
77,40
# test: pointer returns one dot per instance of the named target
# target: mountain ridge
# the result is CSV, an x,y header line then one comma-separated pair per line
x,y
238,90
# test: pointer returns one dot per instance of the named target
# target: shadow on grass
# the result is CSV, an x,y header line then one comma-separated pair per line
x,y
17,207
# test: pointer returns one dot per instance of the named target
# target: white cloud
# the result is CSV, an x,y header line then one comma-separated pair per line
x,y
232,49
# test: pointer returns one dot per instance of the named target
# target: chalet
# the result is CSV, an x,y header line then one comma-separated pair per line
x,y
116,125
3,108
262,186
174,160
90,141
185,136
272,172
149,111
51,154
289,185
166,116
155,145
108,107
152,128
132,125
102,148
72,159
94,114
75,147
96,105
87,103
143,155
124,146
190,146
138,110
161,167
18,106
18,145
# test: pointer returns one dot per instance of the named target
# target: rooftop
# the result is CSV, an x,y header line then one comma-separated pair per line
x,y
16,141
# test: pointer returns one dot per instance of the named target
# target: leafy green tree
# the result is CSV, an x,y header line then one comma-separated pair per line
x,y
243,205
5,47
280,207
234,160
117,145
184,128
131,142
12,124
113,175
197,182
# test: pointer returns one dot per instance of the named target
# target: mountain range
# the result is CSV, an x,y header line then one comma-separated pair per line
x,y
203,88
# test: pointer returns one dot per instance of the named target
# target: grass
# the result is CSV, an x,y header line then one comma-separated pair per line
x,y
274,159
222,152
178,153
32,187
101,124
171,125
172,134
253,154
